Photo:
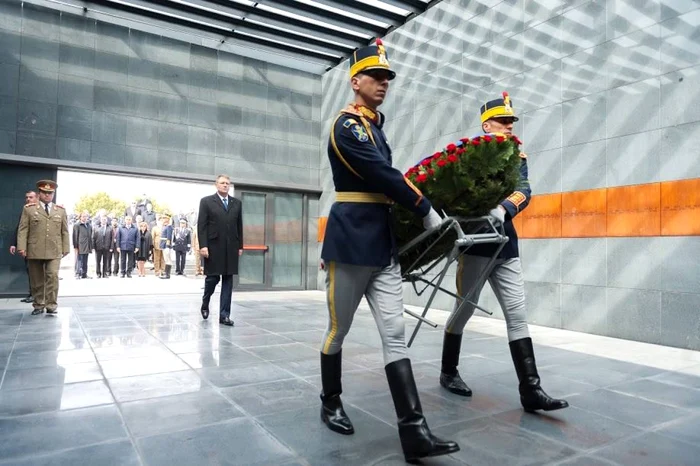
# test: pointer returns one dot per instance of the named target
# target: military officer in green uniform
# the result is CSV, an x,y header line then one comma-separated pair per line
x,y
43,239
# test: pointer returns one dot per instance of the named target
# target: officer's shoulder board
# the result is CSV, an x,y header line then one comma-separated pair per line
x,y
59,206
29,205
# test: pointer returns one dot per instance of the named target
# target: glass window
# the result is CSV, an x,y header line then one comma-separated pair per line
x,y
287,249
251,267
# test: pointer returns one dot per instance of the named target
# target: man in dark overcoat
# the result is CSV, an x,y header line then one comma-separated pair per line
x,y
220,231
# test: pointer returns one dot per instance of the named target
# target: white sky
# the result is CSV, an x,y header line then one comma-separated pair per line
x,y
179,195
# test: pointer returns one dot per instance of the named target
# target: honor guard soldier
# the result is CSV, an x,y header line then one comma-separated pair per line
x,y
506,279
360,255
43,239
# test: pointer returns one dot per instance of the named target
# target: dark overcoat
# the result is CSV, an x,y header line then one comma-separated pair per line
x,y
221,231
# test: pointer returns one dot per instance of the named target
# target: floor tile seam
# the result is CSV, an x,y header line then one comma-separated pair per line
x,y
553,440
12,350
255,421
595,450
657,430
254,384
240,417
577,456
58,452
52,386
126,428
609,417
674,385
659,402
55,411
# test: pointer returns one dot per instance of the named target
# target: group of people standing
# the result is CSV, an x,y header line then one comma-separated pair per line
x,y
133,244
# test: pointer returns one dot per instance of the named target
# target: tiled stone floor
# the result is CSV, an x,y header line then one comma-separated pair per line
x,y
144,381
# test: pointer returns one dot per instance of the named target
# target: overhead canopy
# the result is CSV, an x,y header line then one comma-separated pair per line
x,y
312,35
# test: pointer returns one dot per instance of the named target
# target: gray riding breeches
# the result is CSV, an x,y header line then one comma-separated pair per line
x,y
506,280
345,286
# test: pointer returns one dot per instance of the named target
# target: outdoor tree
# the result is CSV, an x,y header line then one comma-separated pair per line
x,y
101,200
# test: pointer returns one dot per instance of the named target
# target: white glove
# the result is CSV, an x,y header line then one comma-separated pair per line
x,y
432,220
498,214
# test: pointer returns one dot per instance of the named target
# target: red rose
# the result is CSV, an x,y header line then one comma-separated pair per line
x,y
517,141
460,151
487,138
465,141
500,139
436,155
451,147
421,178
452,158
442,162
431,172
425,162
476,142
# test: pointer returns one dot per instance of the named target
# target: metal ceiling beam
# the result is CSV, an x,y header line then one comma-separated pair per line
x,y
216,30
253,28
303,25
320,14
366,9
227,10
415,6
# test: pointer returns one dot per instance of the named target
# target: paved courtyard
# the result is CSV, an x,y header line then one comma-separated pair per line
x,y
143,380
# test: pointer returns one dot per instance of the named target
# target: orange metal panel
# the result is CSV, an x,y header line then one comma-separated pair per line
x,y
680,208
542,218
322,221
634,210
583,214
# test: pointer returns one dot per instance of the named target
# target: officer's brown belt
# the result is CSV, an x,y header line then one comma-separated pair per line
x,y
369,198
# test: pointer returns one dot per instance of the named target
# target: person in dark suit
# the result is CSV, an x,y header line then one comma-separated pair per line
x,y
102,241
220,232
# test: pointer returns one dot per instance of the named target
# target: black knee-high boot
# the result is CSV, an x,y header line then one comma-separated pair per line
x,y
449,376
416,439
332,412
532,397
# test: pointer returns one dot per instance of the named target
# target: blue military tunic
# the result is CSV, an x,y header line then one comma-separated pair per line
x,y
359,228
514,204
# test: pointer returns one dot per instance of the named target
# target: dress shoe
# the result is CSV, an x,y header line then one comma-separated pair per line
x,y
205,311
52,311
226,321
36,312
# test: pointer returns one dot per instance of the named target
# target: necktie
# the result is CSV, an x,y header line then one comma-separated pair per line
x,y
46,208
225,203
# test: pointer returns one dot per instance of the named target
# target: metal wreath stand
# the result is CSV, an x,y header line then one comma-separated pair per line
x,y
489,233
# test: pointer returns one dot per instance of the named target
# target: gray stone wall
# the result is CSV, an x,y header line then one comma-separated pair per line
x,y
605,90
